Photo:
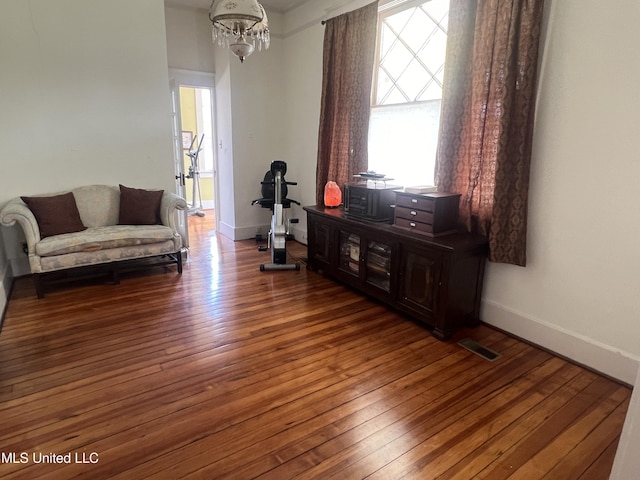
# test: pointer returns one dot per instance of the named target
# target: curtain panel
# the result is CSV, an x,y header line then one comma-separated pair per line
x,y
347,70
486,129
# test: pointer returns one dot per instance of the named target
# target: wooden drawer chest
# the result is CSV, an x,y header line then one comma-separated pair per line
x,y
430,214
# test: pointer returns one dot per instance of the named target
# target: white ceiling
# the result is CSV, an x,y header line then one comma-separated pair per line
x,y
270,5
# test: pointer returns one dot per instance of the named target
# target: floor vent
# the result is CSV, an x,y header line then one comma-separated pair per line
x,y
478,349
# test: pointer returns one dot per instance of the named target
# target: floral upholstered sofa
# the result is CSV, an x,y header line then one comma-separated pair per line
x,y
96,225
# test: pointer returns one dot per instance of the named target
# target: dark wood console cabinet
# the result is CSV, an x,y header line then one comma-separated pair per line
x,y
437,281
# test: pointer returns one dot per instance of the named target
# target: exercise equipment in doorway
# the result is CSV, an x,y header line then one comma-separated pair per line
x,y
194,175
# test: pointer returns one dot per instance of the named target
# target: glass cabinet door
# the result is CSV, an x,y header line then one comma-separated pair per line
x,y
320,238
378,265
419,281
350,253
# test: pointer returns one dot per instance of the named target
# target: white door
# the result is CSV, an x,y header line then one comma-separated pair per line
x,y
178,158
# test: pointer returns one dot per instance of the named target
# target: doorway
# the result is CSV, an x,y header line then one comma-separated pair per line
x,y
196,117
194,130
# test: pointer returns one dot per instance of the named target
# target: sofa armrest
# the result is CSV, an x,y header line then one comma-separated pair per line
x,y
169,204
17,211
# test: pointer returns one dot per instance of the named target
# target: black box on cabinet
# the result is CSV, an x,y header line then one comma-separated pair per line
x,y
370,202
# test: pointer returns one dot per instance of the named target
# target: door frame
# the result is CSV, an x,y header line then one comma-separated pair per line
x,y
195,79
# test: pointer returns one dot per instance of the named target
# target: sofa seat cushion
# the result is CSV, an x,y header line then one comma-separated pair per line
x,y
102,238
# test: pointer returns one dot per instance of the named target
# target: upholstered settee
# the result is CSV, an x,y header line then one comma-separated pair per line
x,y
96,225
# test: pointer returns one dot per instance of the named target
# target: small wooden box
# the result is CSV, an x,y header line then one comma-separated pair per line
x,y
431,214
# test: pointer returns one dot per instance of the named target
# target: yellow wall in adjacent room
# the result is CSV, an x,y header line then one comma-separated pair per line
x,y
189,124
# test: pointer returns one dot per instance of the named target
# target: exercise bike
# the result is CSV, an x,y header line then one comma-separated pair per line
x,y
274,196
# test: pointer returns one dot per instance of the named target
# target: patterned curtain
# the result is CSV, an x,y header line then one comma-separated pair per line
x,y
486,129
348,57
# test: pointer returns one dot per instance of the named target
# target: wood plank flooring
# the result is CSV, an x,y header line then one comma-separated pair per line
x,y
227,372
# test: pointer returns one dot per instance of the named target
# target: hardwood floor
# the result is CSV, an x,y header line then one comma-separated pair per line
x,y
227,372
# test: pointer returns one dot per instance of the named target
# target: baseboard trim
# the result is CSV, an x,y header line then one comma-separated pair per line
x,y
595,355
243,233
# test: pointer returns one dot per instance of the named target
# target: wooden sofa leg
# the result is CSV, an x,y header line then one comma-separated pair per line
x,y
37,281
179,261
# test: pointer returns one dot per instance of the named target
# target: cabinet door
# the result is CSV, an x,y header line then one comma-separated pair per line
x,y
377,265
349,259
320,242
365,263
419,282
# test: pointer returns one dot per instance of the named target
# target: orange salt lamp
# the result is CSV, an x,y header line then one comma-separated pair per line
x,y
332,195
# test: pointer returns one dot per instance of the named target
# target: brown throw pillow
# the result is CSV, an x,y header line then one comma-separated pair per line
x,y
56,214
139,207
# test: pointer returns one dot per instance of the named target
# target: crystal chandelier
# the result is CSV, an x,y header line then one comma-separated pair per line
x,y
240,25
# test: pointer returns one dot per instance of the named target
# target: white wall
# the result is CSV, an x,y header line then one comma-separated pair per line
x,y
303,84
258,106
85,97
578,294
189,45
224,133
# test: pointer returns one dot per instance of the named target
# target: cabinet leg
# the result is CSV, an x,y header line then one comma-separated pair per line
x,y
440,334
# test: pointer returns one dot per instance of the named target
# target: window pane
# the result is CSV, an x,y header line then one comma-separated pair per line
x,y
438,9
403,130
412,52
418,30
433,53
387,39
395,96
385,84
413,80
432,92
398,21
206,155
403,141
397,60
